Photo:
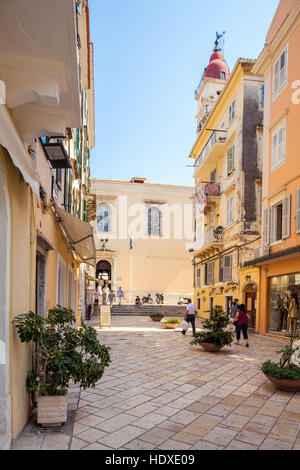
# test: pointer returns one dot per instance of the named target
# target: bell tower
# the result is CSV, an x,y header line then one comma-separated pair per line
x,y
213,81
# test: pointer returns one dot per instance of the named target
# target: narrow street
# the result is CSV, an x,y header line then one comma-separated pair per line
x,y
162,393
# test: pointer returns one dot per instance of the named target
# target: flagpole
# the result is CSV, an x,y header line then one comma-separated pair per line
x,y
130,273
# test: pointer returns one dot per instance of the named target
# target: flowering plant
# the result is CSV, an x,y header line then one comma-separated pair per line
x,y
295,357
289,365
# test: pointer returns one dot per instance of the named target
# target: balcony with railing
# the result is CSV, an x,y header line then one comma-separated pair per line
x,y
211,243
212,149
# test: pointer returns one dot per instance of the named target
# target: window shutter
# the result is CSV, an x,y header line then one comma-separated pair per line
x,y
276,78
210,274
212,269
262,98
206,275
274,150
220,269
227,268
229,211
297,207
230,160
286,217
280,149
267,226
273,224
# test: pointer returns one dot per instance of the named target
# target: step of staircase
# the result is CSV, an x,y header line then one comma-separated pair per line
x,y
146,310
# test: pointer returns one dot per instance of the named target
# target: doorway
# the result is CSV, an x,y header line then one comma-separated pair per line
x,y
5,435
250,302
228,304
103,270
41,283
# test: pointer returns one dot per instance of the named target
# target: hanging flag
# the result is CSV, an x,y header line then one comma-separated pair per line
x,y
131,243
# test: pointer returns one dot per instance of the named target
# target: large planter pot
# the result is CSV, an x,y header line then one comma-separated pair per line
x,y
52,410
157,319
170,326
286,385
209,347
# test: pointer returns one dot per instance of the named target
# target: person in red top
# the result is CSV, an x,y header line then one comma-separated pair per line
x,y
241,322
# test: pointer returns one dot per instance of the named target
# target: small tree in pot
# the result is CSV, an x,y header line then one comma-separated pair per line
x,y
214,338
63,353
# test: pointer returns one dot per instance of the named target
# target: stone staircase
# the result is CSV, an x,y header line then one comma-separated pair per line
x,y
146,310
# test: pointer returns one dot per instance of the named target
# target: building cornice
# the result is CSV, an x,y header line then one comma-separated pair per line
x,y
285,32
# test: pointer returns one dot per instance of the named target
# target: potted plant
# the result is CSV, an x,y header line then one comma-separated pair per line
x,y
285,375
63,353
214,338
171,324
156,317
218,232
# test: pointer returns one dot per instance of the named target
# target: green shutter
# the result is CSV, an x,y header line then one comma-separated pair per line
x,y
84,217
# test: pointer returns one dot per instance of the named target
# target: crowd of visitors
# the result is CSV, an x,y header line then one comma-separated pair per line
x,y
103,295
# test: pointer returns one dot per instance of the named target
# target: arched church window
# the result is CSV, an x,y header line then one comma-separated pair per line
x,y
154,221
103,219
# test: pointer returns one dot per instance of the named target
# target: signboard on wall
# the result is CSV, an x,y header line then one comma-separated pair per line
x,y
105,317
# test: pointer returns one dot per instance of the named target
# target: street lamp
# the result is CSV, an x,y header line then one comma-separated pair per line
x,y
55,152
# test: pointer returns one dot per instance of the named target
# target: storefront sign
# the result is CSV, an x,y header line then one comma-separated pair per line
x,y
105,320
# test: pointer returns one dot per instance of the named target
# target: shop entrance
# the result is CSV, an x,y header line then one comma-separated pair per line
x,y
250,302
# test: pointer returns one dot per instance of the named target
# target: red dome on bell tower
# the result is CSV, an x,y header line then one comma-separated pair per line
x,y
217,67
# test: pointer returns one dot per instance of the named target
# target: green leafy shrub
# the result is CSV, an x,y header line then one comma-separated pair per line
x,y
156,315
172,321
274,370
287,368
214,327
62,351
218,338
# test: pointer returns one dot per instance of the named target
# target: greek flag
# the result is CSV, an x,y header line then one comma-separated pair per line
x,y
131,243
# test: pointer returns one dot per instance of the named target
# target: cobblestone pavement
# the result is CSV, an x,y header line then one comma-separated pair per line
x,y
162,393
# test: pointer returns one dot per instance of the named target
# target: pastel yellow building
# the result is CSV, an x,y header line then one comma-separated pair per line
x,y
158,219
228,179
278,257
45,138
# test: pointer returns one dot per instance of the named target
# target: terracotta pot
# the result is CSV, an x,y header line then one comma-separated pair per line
x,y
52,410
170,326
157,319
211,347
286,385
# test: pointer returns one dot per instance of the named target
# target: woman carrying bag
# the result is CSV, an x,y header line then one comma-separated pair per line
x,y
241,323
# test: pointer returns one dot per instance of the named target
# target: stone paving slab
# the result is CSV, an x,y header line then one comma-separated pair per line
x,y
162,393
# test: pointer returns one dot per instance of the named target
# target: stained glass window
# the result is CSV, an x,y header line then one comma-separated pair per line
x,y
154,221
103,219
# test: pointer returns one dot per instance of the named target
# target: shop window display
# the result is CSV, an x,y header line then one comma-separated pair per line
x,y
285,304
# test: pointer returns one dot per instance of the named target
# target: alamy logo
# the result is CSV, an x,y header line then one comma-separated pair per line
x,y
2,92
296,94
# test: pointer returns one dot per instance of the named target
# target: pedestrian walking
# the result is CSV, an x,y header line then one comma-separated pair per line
x,y
120,295
96,295
241,323
190,317
105,293
233,312
111,297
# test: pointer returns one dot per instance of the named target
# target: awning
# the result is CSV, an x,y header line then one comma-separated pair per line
x,y
79,234
10,139
91,278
